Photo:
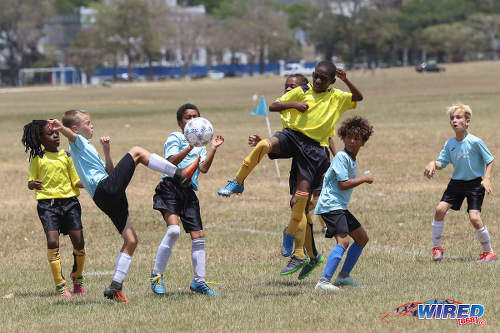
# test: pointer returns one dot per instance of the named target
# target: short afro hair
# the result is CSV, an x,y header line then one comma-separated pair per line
x,y
356,126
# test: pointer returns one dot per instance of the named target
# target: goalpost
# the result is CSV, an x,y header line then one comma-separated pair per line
x,y
55,75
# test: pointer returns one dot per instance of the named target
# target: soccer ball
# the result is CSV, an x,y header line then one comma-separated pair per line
x,y
198,131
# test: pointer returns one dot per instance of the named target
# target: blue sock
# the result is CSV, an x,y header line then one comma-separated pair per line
x,y
333,261
350,260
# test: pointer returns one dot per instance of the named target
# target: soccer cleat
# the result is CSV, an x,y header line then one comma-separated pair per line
x,y
77,284
63,290
287,246
437,253
294,264
487,256
232,187
157,284
184,175
202,288
324,284
116,295
347,281
307,270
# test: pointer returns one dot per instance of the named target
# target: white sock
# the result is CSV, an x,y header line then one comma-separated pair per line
x,y
437,231
122,265
165,248
158,163
198,258
484,238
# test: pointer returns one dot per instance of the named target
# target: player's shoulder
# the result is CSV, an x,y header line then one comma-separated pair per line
x,y
176,136
474,139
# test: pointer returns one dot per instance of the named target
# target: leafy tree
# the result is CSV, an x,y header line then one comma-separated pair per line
x,y
125,25
21,28
87,51
69,6
489,26
451,39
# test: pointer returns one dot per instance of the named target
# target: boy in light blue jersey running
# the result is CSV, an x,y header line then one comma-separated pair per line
x,y
339,181
472,164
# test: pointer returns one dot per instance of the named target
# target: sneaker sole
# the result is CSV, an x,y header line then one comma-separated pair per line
x,y
296,269
319,262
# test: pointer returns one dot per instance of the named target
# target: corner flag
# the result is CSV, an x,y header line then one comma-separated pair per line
x,y
261,109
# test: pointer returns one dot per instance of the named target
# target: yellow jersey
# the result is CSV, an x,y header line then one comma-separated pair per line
x,y
57,173
324,110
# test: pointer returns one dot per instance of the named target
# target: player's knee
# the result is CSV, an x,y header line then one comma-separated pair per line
x,y
475,219
363,241
174,232
441,210
52,243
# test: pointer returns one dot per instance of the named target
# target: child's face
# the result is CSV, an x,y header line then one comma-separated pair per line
x,y
85,127
353,143
187,116
458,121
322,79
292,83
50,139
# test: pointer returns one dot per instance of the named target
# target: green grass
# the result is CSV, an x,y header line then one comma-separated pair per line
x,y
244,232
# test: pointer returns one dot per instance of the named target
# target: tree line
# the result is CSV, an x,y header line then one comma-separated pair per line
x,y
383,32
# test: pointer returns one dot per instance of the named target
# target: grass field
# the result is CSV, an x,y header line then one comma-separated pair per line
x,y
407,110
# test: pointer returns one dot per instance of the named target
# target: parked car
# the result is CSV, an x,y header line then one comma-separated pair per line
x,y
296,68
430,66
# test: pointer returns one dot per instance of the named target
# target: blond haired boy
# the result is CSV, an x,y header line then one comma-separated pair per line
x,y
472,164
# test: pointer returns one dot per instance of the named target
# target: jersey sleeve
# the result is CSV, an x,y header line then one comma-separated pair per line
x,y
203,154
33,169
444,156
172,145
294,95
484,151
345,101
339,166
73,175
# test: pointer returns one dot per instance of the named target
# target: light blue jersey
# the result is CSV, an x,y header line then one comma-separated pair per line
x,y
468,157
332,198
88,165
177,142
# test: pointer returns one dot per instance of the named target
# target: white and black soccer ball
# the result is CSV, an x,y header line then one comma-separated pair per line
x,y
199,131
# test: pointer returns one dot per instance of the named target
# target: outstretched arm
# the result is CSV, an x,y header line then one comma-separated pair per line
x,y
280,106
356,94
55,125
351,183
106,147
216,142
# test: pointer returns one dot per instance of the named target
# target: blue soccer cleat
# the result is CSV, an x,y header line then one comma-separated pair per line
x,y
232,187
157,284
287,246
202,288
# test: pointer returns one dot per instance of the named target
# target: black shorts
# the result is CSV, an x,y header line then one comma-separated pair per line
x,y
110,194
310,159
178,200
339,221
60,214
457,190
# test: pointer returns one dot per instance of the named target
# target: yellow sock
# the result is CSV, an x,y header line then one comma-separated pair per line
x,y
261,149
300,234
312,206
55,265
78,262
298,210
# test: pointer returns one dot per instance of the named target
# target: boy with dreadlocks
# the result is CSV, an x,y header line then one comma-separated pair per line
x,y
53,177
